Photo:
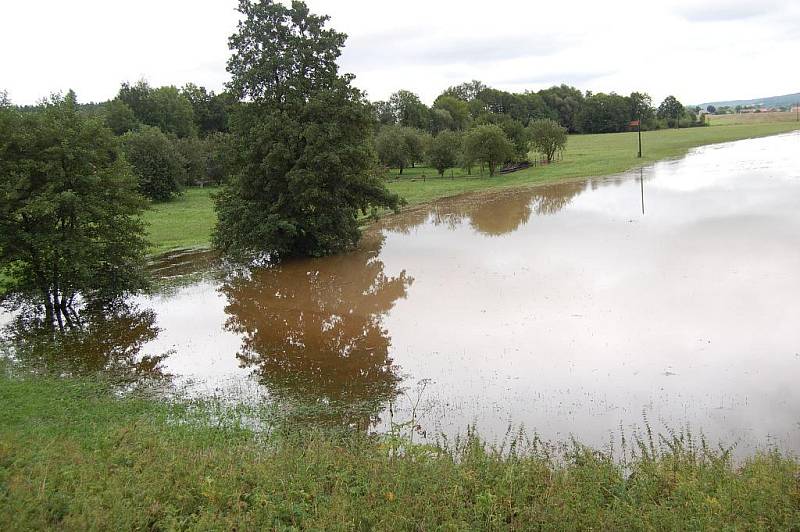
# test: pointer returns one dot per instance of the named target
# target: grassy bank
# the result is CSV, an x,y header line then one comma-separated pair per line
x,y
74,457
187,222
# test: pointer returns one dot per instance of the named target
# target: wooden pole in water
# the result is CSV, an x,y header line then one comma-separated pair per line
x,y
640,137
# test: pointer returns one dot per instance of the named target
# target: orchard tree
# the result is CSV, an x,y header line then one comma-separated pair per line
x,y
401,147
416,144
489,146
671,110
69,212
711,109
548,137
445,151
308,167
391,146
514,131
155,162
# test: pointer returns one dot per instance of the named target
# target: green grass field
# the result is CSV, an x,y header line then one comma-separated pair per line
x,y
751,118
74,456
187,222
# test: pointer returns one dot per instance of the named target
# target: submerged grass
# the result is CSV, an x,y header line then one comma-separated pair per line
x,y
187,221
74,456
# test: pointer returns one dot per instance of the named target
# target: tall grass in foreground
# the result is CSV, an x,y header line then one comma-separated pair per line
x,y
74,456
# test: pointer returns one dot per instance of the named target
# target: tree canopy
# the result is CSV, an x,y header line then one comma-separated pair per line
x,y
155,161
307,162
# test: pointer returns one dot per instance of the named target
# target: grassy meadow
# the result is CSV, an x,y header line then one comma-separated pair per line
x,y
751,118
187,221
76,456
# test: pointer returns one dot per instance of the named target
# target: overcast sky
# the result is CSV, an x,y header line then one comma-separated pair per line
x,y
699,50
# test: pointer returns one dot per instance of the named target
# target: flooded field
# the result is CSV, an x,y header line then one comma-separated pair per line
x,y
668,296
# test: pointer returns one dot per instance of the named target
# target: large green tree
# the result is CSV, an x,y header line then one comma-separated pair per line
x,y
69,210
305,139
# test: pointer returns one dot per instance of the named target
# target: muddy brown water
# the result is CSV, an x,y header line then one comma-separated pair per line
x,y
668,296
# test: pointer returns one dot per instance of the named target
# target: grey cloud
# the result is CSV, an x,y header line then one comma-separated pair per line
x,y
557,78
728,10
400,47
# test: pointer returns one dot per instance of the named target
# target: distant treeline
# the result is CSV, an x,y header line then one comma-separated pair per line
x,y
473,103
471,124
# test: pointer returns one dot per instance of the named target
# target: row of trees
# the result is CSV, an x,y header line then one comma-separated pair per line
x,y
487,145
460,107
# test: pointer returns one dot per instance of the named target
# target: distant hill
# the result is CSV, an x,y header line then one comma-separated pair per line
x,y
772,101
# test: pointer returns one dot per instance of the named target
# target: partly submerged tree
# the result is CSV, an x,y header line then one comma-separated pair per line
x,y
69,210
548,137
304,137
488,145
445,151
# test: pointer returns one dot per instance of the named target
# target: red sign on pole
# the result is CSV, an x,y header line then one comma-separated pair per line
x,y
634,123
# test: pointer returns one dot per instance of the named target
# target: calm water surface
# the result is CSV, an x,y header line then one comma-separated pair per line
x,y
668,296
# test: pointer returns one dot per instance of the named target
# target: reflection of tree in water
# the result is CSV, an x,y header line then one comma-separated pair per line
x,y
492,214
313,332
105,340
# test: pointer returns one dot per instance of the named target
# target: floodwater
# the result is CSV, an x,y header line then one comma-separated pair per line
x,y
668,296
